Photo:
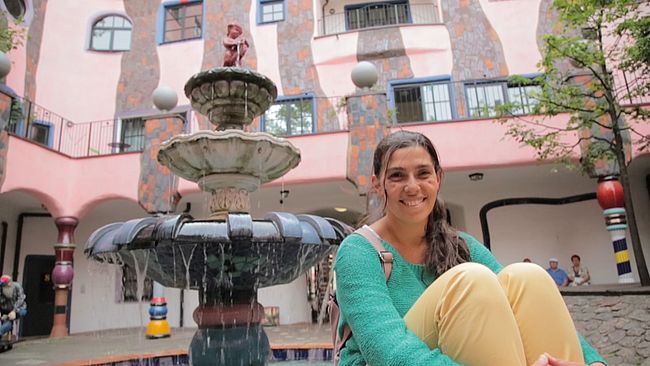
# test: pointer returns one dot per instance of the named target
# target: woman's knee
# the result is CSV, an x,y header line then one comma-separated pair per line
x,y
472,273
524,270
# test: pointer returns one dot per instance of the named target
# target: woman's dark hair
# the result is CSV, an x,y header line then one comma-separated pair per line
x,y
445,248
575,256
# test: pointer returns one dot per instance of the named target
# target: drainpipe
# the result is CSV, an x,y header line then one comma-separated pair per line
x,y
3,245
19,238
322,13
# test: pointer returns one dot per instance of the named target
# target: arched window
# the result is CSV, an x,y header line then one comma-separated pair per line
x,y
16,8
111,33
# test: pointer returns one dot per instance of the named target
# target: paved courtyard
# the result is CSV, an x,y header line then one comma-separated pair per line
x,y
123,344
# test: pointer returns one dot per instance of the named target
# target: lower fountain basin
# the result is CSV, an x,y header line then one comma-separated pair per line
x,y
238,253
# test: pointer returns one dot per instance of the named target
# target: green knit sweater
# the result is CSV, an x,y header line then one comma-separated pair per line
x,y
375,308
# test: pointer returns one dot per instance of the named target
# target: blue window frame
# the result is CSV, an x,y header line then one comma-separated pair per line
x,y
131,135
270,11
180,20
294,115
483,97
41,132
422,99
378,14
111,33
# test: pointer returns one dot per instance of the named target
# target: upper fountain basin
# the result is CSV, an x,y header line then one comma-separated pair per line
x,y
230,96
205,153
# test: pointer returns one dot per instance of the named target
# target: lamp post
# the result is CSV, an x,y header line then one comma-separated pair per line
x,y
164,99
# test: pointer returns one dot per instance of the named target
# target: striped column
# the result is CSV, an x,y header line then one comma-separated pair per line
x,y
158,325
63,273
611,199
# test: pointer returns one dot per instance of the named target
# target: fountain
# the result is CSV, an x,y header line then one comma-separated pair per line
x,y
229,255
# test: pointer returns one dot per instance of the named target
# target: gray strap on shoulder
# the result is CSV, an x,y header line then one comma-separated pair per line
x,y
385,256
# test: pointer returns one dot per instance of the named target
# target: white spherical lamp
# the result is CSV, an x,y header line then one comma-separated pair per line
x,y
5,64
364,74
165,98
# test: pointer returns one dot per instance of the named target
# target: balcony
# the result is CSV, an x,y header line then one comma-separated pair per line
x,y
410,102
364,16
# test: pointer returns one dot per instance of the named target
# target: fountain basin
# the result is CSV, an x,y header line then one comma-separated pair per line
x,y
230,95
237,254
205,153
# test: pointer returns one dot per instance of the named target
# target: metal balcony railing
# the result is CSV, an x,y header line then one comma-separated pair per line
x,y
416,102
378,15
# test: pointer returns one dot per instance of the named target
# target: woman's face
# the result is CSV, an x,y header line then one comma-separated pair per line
x,y
411,184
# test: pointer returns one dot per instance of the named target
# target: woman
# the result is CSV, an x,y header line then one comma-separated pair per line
x,y
443,303
578,275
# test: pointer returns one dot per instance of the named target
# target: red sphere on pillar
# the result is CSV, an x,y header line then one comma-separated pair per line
x,y
610,194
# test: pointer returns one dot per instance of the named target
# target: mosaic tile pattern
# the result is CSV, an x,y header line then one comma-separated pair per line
x,y
158,186
140,68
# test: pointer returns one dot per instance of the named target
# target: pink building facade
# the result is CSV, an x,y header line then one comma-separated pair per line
x,y
78,146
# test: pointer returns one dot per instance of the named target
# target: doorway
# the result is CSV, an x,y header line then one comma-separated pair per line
x,y
37,282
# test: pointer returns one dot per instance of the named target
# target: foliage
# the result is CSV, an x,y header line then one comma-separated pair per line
x,y
10,38
578,78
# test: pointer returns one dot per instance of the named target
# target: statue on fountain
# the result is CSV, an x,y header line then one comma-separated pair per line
x,y
236,45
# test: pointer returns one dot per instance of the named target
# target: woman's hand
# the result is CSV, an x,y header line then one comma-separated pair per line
x,y
548,360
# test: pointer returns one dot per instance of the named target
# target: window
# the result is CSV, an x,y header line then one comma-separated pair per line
x,y
523,97
271,11
377,14
16,8
183,21
40,132
131,135
423,102
483,98
291,116
129,288
111,33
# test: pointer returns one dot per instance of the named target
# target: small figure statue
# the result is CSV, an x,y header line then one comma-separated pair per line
x,y
12,303
235,44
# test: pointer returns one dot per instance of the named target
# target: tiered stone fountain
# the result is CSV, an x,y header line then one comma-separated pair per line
x,y
229,255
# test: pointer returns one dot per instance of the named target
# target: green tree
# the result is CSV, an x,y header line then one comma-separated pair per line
x,y
602,41
10,37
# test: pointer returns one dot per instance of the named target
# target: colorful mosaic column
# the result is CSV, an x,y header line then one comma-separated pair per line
x,y
158,325
63,273
610,197
158,193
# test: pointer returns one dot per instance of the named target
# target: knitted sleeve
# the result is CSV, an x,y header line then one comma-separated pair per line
x,y
480,254
365,303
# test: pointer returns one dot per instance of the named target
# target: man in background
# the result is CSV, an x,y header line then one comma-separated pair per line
x,y
559,276
12,304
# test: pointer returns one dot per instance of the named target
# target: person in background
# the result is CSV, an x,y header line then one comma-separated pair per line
x,y
578,274
559,276
448,301
12,304
527,260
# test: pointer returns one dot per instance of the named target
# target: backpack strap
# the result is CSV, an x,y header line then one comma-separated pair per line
x,y
386,258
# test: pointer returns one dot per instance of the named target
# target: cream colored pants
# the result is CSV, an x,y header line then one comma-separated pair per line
x,y
479,318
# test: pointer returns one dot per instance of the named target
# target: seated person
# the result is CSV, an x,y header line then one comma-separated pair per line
x,y
12,304
578,275
559,276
